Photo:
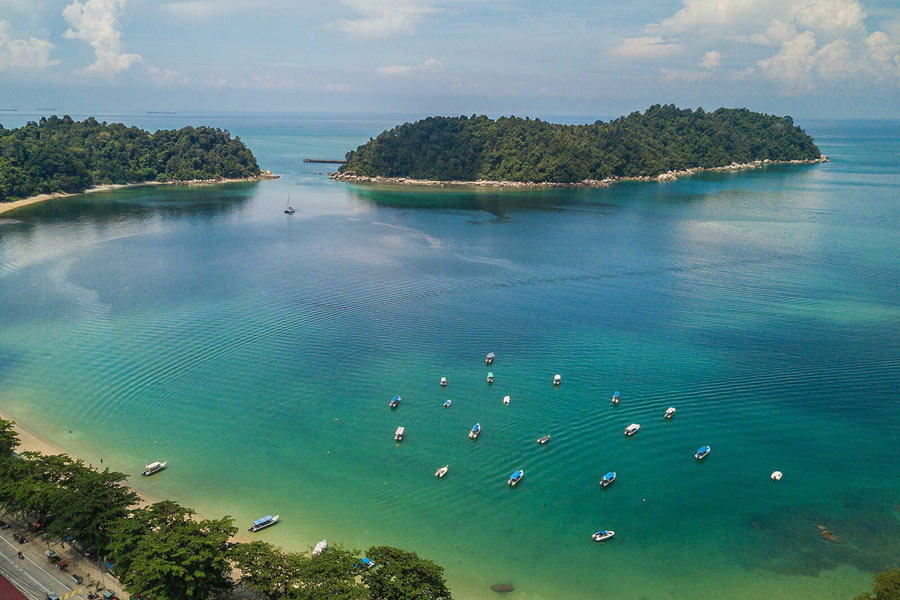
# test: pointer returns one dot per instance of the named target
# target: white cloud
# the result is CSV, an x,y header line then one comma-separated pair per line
x,y
167,77
793,63
96,22
396,70
380,18
429,66
711,60
829,15
203,9
646,47
30,54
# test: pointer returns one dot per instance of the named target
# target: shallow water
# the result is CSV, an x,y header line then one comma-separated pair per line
x,y
257,354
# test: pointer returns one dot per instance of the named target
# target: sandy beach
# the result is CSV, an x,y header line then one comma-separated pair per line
x,y
6,207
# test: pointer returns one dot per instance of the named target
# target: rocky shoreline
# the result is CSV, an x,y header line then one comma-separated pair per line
x,y
352,177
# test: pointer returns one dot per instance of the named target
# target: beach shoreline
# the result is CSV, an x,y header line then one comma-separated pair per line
x,y
6,207
352,177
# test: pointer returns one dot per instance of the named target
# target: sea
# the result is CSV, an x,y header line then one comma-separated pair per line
x,y
257,352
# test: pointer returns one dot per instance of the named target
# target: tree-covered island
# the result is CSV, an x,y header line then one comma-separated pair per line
x,y
63,155
661,142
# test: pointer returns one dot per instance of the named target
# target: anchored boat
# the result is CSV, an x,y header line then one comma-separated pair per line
x,y
475,431
320,548
543,439
395,401
489,359
608,478
615,398
154,467
632,429
506,400
702,452
447,403
442,471
776,475
490,377
266,521
557,379
670,412
443,382
603,535
516,477
398,435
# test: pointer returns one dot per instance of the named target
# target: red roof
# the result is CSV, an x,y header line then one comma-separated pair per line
x,y
8,592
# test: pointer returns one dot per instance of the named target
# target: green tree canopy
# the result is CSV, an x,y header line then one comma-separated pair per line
x,y
9,439
401,575
887,587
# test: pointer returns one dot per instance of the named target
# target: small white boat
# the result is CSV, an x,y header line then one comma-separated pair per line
x,y
443,382
442,471
489,359
603,535
320,548
395,401
475,431
702,452
516,477
608,478
398,435
490,377
632,429
776,475
670,412
447,403
264,522
557,379
506,400
154,467
289,210
615,398
543,439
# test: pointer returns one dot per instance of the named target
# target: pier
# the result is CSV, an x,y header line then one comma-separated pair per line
x,y
324,160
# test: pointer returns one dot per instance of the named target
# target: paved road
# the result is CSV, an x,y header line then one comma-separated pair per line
x,y
34,575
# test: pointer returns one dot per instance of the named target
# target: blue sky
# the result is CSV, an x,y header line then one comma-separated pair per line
x,y
807,58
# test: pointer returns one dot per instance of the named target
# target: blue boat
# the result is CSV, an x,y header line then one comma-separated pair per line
x,y
516,477
702,452
395,401
447,403
603,535
615,398
476,431
608,478
266,521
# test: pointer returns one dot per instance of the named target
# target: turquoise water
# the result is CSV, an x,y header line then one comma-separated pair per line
x,y
257,354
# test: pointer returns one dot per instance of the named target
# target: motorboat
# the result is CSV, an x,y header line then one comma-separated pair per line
x,y
442,471
398,435
615,398
670,412
475,431
608,478
557,379
490,377
367,562
702,452
516,477
320,547
489,359
603,535
266,521
447,403
154,467
632,429
776,475
443,382
395,401
506,400
543,439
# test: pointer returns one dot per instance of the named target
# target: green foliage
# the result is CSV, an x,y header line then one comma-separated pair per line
x,y
661,139
401,575
9,439
62,155
887,587
164,553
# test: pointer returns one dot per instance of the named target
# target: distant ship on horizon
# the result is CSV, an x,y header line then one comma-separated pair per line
x,y
161,112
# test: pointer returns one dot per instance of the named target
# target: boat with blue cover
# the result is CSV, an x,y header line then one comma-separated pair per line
x,y
603,535
615,398
516,477
608,478
702,452
475,431
266,521
447,403
395,401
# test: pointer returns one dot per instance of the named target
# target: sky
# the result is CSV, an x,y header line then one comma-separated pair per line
x,y
805,58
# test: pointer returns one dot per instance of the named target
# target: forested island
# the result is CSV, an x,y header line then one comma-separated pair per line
x,y
661,142
63,155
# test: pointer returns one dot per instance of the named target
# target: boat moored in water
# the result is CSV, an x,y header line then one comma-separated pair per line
x,y
442,471
266,521
321,547
516,477
447,403
154,467
603,535
776,475
398,435
490,377
632,429
443,382
608,478
506,400
475,431
670,412
615,398
702,452
395,401
557,379
543,439
489,359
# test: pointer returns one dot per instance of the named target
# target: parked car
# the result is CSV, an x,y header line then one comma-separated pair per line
x,y
77,578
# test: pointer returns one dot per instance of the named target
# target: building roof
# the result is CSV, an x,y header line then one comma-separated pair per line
x,y
9,592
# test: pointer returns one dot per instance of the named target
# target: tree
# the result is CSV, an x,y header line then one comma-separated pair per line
x,y
401,575
887,587
9,439
265,569
164,553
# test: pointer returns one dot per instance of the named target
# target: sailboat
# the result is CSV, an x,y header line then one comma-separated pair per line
x,y
288,209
